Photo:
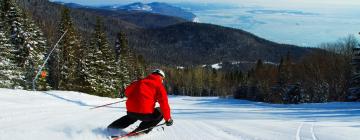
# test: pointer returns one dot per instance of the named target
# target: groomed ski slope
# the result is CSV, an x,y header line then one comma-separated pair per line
x,y
63,115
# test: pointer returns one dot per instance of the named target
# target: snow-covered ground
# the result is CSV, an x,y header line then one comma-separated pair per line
x,y
60,115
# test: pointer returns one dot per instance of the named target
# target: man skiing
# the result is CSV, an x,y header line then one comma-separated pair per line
x,y
141,98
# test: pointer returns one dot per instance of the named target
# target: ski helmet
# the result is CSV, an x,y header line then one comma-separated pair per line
x,y
160,72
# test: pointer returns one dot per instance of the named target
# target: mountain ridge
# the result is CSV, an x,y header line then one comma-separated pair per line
x,y
161,8
174,43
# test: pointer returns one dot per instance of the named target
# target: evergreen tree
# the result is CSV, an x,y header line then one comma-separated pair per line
x,y
108,66
36,45
80,83
123,73
91,71
100,65
11,76
17,33
67,52
27,42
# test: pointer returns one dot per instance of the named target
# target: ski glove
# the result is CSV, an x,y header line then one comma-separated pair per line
x,y
169,122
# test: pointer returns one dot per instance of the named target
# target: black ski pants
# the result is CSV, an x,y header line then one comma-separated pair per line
x,y
148,120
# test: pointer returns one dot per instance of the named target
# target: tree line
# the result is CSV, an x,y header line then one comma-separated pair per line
x,y
95,68
22,48
321,76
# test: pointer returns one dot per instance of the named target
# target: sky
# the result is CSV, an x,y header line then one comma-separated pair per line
x,y
262,2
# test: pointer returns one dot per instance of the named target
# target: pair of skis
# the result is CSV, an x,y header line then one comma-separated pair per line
x,y
133,134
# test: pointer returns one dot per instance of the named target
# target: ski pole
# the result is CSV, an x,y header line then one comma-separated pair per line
x,y
107,104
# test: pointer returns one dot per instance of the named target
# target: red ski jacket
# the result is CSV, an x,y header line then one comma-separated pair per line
x,y
143,94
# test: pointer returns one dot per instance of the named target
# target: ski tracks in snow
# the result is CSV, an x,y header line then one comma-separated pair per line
x,y
191,130
301,134
312,131
298,131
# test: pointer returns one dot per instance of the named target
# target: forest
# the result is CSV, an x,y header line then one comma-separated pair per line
x,y
93,67
101,66
323,76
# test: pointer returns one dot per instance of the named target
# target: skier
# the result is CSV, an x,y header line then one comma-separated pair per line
x,y
141,98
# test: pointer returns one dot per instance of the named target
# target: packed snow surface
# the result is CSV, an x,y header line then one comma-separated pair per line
x,y
64,115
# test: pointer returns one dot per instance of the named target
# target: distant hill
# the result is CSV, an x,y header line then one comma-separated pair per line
x,y
189,43
143,15
164,39
71,5
139,18
156,8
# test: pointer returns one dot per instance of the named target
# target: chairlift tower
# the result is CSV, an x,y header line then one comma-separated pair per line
x,y
46,60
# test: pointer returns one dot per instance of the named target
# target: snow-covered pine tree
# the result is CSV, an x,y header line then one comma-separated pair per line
x,y
66,53
90,69
134,63
109,75
109,66
80,83
36,44
122,63
27,42
16,30
11,76
100,66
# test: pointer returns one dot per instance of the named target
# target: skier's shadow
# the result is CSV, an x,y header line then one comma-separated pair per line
x,y
106,132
